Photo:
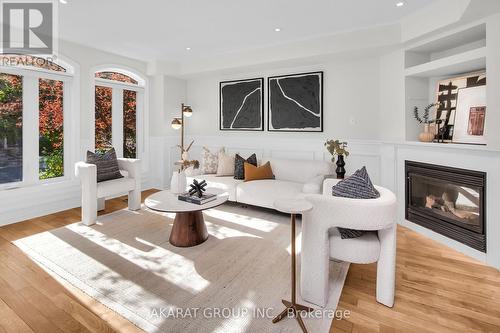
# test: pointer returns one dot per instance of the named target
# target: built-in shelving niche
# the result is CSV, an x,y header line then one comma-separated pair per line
x,y
443,56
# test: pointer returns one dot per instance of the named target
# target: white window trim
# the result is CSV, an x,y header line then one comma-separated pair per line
x,y
31,112
142,109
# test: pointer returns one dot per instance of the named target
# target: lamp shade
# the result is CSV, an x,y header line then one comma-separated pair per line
x,y
176,123
188,112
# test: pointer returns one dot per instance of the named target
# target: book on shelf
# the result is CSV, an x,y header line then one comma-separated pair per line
x,y
195,199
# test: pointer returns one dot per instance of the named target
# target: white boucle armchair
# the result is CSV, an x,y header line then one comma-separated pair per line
x,y
321,241
94,194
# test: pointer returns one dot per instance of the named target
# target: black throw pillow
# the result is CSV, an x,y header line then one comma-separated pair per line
x,y
357,186
106,163
239,165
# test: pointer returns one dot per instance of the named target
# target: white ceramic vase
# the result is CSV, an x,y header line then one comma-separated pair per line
x,y
178,182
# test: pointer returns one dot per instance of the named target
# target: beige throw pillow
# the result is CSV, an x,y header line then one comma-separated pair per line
x,y
225,164
209,161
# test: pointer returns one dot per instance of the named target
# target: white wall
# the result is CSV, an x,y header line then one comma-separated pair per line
x,y
163,137
350,110
493,80
392,101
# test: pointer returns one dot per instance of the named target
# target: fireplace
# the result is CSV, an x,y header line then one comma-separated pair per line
x,y
447,200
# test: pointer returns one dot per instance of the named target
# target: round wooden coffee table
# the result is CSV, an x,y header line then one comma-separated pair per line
x,y
189,227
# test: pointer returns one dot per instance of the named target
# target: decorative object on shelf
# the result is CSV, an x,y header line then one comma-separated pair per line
x,y
295,102
427,135
242,105
178,183
197,188
471,116
446,95
339,149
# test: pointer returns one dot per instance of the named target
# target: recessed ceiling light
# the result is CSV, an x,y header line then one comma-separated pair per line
x,y
64,2
188,48
277,29
400,4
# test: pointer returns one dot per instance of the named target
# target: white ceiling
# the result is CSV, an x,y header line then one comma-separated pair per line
x,y
161,30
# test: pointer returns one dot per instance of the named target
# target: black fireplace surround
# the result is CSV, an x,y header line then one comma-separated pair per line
x,y
449,201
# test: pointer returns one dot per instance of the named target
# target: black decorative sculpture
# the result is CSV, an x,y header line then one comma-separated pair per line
x,y
197,188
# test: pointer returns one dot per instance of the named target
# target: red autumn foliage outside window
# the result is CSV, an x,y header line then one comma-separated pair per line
x,y
129,123
50,119
103,114
103,101
115,77
50,126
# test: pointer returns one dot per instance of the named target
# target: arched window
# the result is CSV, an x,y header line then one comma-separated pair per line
x,y
34,99
119,101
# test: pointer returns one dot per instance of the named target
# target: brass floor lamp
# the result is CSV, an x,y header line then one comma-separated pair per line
x,y
178,123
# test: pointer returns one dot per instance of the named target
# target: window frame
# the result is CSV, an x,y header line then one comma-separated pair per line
x,y
117,109
30,81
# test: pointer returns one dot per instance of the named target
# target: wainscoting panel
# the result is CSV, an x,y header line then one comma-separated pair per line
x,y
292,154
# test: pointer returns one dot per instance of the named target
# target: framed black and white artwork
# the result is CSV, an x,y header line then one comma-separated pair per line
x,y
242,105
295,102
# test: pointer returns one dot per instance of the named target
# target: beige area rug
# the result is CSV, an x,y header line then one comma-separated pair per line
x,y
234,282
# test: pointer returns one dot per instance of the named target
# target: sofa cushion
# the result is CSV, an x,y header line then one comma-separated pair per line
x,y
239,165
253,172
225,164
263,193
298,171
313,185
209,161
115,186
106,163
227,183
361,250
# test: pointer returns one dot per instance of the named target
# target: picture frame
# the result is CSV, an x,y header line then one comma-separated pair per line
x,y
470,118
295,102
241,105
446,96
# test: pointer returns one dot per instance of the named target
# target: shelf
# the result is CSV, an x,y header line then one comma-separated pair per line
x,y
451,40
450,145
468,61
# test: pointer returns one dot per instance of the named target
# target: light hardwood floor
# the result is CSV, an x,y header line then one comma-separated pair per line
x,y
437,290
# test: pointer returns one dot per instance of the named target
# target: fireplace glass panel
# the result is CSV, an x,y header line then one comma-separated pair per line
x,y
449,201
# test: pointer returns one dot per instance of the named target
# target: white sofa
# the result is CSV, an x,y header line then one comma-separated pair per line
x,y
94,194
292,178
321,241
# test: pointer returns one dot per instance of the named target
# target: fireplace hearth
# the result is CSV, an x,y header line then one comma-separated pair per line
x,y
449,201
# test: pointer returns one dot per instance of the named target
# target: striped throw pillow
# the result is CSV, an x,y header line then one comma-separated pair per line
x,y
357,186
107,165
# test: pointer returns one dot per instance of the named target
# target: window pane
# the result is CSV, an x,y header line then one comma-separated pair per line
x,y
11,131
103,98
115,77
129,124
50,125
31,61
